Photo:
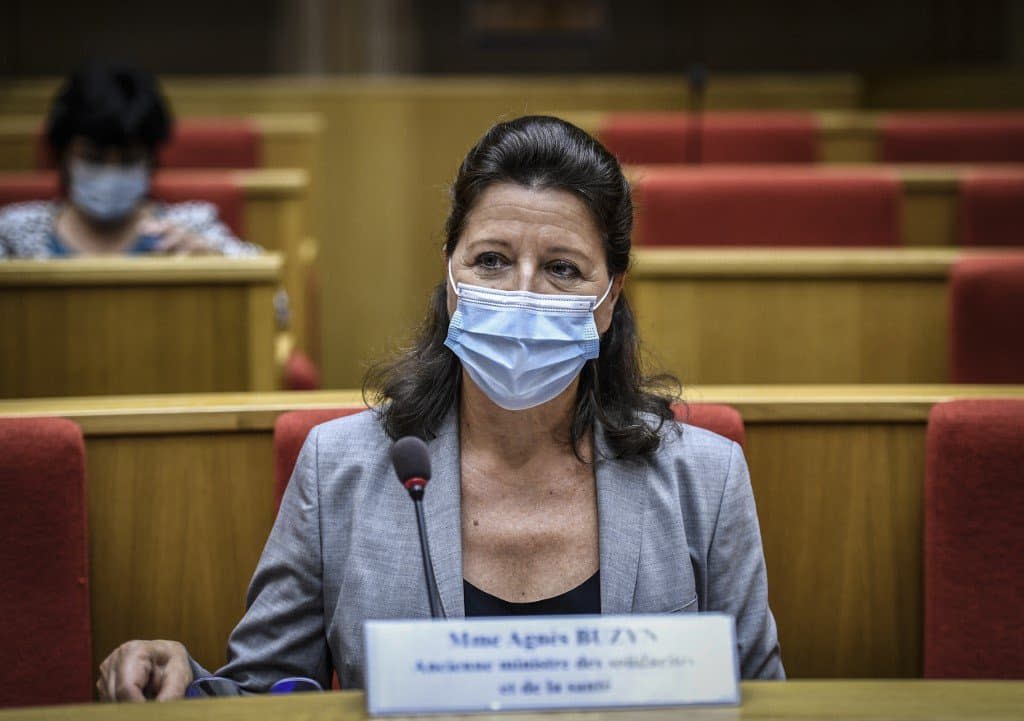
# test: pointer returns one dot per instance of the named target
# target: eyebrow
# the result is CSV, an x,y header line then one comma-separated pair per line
x,y
558,249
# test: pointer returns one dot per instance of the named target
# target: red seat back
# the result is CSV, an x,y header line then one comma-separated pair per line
x,y
986,319
992,208
974,540
23,187
952,137
290,431
172,186
721,419
729,206
196,143
45,637
217,187
667,137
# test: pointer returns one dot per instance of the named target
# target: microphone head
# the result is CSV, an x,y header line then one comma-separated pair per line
x,y
411,459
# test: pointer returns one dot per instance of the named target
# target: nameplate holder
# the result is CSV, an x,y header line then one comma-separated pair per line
x,y
550,662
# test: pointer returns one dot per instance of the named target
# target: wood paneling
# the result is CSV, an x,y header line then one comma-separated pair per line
x,y
181,498
101,326
794,315
761,701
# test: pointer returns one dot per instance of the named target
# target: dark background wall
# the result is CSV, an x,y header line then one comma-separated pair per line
x,y
196,37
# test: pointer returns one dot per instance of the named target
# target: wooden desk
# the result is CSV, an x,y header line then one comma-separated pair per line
x,y
762,701
837,472
736,315
137,325
288,141
273,207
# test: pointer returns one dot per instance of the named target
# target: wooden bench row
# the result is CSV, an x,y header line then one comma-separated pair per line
x,y
837,472
159,325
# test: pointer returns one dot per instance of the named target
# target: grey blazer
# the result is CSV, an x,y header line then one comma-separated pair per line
x,y
678,533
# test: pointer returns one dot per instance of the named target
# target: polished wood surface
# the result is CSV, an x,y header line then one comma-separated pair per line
x,y
761,701
837,473
391,147
737,315
96,326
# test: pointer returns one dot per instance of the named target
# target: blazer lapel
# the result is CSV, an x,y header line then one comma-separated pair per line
x,y
442,506
621,503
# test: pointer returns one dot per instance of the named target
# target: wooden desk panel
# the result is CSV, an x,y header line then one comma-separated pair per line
x,y
837,473
795,315
288,141
761,701
102,326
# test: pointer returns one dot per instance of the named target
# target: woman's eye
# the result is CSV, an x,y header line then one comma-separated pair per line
x,y
564,269
490,261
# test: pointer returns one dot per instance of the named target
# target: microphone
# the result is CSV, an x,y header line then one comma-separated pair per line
x,y
411,459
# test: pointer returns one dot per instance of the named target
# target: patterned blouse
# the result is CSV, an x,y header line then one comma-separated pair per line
x,y
28,230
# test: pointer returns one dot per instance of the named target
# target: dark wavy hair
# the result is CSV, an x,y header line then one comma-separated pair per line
x,y
417,388
111,104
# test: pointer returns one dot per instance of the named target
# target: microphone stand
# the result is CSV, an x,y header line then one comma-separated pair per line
x,y
416,493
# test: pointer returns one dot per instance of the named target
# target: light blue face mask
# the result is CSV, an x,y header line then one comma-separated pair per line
x,y
107,192
522,349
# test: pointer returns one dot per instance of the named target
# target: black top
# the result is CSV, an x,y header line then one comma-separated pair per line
x,y
585,598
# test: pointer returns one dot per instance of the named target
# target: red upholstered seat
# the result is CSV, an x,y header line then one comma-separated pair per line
x,y
735,137
986,320
45,637
290,431
23,187
952,137
721,419
173,186
992,208
974,540
196,143
773,206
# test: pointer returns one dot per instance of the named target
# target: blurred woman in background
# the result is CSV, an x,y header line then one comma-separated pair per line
x,y
104,130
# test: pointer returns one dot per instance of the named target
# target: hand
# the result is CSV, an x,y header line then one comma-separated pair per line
x,y
141,670
175,240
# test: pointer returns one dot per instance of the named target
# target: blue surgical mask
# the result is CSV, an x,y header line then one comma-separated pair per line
x,y
522,349
108,192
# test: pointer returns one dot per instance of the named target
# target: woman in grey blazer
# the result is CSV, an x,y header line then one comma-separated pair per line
x,y
561,482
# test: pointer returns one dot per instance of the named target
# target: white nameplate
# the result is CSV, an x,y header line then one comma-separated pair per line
x,y
550,662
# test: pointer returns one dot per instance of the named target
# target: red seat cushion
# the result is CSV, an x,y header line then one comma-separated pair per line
x,y
721,419
290,431
172,186
758,137
986,297
992,208
196,143
777,206
974,540
952,137
45,638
